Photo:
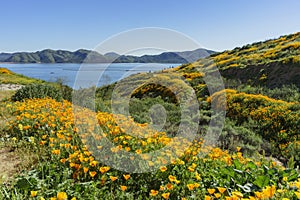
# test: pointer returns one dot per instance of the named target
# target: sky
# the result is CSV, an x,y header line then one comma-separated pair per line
x,y
218,25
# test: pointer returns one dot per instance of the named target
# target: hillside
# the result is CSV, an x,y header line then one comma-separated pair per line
x,y
9,77
271,63
262,103
249,149
54,56
168,57
266,66
4,56
79,56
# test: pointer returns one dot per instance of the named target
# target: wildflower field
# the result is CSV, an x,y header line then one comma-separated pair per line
x,y
68,170
69,151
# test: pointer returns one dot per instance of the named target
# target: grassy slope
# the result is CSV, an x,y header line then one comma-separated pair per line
x,y
9,77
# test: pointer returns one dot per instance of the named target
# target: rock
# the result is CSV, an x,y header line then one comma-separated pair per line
x,y
10,86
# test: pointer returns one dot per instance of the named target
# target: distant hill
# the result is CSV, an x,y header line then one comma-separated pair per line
x,y
168,57
4,56
82,55
55,56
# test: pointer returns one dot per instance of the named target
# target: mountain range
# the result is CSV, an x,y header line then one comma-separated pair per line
x,y
88,56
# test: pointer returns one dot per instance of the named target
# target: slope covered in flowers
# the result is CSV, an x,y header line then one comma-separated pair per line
x,y
271,63
277,121
85,154
9,77
72,171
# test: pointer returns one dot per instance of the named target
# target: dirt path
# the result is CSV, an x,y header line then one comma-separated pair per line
x,y
9,163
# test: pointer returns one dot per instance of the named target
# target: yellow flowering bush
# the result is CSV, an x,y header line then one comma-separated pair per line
x,y
5,71
278,120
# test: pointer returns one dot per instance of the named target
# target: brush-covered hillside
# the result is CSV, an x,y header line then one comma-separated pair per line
x,y
258,84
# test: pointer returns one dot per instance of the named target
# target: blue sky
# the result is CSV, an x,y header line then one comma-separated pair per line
x,y
218,25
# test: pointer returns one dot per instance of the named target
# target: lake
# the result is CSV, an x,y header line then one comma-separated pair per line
x,y
85,75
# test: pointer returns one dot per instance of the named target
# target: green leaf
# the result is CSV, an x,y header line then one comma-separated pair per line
x,y
238,165
251,165
262,181
272,171
23,184
227,171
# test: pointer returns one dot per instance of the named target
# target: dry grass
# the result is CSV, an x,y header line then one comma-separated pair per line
x,y
5,94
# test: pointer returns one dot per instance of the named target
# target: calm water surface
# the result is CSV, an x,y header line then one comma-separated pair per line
x,y
84,75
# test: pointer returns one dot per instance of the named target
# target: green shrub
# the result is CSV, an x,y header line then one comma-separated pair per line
x,y
66,92
141,111
37,91
234,136
288,93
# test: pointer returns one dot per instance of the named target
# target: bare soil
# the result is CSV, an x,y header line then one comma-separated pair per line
x,y
9,163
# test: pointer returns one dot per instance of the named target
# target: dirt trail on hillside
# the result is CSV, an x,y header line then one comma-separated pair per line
x,y
9,160
9,163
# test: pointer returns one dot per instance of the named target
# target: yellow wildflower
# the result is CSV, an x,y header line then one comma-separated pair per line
x,y
113,178
207,197
55,151
217,195
92,174
123,187
126,176
211,191
190,186
163,168
33,193
172,178
20,126
166,195
221,189
85,169
238,194
104,169
93,163
138,151
62,196
153,193
297,194
169,186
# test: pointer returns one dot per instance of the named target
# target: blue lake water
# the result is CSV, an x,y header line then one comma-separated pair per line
x,y
84,75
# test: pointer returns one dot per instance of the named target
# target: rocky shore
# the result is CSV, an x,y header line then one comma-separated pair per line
x,y
10,87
